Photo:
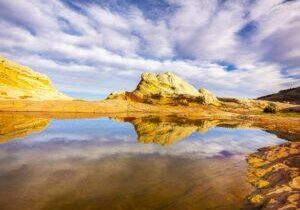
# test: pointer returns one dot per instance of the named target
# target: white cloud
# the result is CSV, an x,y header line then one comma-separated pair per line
x,y
105,50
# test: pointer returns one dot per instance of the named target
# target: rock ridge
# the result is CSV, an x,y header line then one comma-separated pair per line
x,y
21,82
166,88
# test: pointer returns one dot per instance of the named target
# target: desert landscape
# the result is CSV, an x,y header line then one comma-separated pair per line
x,y
163,110
150,105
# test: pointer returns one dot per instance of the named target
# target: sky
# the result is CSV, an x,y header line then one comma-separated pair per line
x,y
89,48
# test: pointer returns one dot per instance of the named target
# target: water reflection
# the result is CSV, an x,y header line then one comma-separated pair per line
x,y
99,164
163,130
13,126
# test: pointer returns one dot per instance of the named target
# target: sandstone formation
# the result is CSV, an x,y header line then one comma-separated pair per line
x,y
275,172
245,103
20,82
291,95
163,85
166,88
208,97
117,95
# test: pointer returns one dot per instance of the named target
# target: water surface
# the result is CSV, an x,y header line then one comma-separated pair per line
x,y
126,163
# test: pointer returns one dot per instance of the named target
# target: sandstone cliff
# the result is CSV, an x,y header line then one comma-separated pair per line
x,y
166,88
20,82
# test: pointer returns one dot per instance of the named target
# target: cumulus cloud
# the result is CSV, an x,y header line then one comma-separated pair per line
x,y
101,49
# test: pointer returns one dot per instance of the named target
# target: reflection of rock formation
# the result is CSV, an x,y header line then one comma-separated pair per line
x,y
14,126
152,130
168,130
275,172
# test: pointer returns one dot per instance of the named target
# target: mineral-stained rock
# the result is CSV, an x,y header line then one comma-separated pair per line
x,y
166,88
117,95
20,82
275,172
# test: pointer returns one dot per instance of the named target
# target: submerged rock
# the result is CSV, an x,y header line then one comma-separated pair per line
x,y
275,172
20,82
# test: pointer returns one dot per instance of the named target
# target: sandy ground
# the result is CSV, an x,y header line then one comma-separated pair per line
x,y
288,123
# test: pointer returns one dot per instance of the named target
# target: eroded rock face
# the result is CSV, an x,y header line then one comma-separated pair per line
x,y
208,97
163,85
20,82
117,95
166,88
275,172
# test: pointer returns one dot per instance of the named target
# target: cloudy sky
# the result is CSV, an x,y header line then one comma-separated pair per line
x,y
242,48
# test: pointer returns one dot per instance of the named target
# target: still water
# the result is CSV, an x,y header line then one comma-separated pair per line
x,y
126,163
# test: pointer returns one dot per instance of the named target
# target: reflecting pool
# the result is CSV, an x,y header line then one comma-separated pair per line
x,y
125,163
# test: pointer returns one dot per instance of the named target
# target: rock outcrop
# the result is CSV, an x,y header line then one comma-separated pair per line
x,y
166,88
163,85
20,82
208,97
275,172
290,95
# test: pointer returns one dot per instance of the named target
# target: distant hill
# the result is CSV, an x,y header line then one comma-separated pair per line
x,y
291,95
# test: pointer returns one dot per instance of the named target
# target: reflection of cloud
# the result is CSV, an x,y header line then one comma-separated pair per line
x,y
144,182
214,143
93,139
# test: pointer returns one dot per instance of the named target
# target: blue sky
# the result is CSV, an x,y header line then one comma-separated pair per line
x,y
240,48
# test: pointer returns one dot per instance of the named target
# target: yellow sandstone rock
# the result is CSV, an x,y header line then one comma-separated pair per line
x,y
166,88
275,172
296,182
20,82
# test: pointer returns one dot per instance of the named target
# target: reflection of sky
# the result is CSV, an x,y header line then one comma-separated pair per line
x,y
85,129
99,138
